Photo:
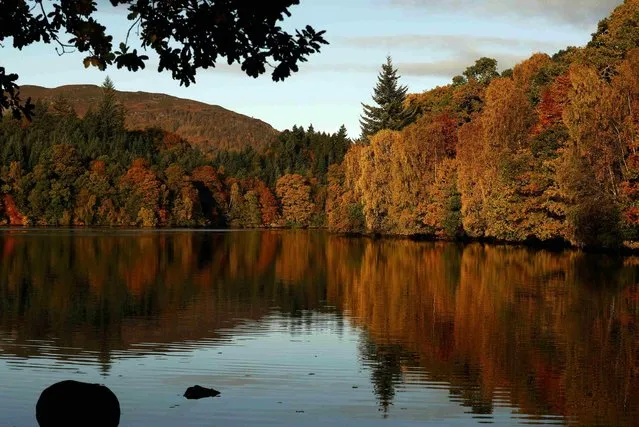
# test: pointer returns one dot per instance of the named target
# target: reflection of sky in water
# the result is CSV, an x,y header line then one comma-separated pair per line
x,y
266,375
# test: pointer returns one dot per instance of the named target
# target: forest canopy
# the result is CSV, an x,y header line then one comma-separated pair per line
x,y
60,169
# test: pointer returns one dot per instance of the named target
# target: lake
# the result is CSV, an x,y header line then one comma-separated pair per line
x,y
307,328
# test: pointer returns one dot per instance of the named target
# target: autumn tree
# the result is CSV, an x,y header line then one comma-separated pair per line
x,y
506,173
443,206
432,102
268,206
615,37
415,155
551,106
589,117
528,75
625,97
141,190
95,204
344,213
468,100
344,209
294,193
252,215
483,71
433,139
251,204
373,182
593,218
236,205
507,117
183,197
472,182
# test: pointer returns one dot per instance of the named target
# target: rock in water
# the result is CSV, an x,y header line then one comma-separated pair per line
x,y
74,404
198,392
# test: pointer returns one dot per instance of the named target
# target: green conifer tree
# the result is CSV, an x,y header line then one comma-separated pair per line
x,y
106,122
389,97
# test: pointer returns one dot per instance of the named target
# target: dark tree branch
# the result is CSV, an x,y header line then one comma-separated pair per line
x,y
186,35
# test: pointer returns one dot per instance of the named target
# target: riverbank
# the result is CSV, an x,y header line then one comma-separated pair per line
x,y
556,245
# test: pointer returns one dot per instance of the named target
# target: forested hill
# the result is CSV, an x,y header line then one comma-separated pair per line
x,y
62,169
208,127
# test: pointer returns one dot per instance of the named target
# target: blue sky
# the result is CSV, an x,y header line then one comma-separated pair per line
x,y
429,40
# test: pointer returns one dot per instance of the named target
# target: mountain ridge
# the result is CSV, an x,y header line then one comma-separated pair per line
x,y
206,126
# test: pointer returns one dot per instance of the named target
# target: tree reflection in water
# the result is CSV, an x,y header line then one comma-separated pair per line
x,y
556,330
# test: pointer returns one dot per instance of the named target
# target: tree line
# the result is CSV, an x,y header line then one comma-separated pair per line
x,y
545,151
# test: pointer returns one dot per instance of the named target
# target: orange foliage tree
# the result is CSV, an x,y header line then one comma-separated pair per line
x,y
142,190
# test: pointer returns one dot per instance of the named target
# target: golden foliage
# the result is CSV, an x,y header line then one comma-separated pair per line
x,y
525,71
294,192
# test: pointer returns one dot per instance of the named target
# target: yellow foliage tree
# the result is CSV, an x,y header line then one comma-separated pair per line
x,y
294,192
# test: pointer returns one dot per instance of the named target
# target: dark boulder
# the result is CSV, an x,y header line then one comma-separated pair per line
x,y
198,392
74,404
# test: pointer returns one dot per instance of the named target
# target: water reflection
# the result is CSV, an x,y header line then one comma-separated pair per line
x,y
552,336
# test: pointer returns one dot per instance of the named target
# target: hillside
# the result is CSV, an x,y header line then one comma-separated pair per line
x,y
209,127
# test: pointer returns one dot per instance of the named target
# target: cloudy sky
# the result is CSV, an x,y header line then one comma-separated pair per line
x,y
429,40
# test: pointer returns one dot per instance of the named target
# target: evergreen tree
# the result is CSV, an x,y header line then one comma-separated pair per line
x,y
342,133
110,112
389,96
104,125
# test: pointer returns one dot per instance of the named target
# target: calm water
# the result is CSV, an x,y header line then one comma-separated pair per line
x,y
304,328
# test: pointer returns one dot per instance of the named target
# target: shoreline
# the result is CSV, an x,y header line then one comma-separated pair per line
x,y
630,248
551,245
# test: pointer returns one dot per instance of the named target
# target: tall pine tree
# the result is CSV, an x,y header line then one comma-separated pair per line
x,y
105,124
389,97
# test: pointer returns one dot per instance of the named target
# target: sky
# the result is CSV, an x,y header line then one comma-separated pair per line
x,y
429,41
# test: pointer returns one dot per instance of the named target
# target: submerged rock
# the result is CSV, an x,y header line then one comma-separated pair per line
x,y
74,404
199,392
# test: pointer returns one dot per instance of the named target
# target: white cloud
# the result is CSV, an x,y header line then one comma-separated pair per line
x,y
449,42
446,68
444,56
573,12
452,67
